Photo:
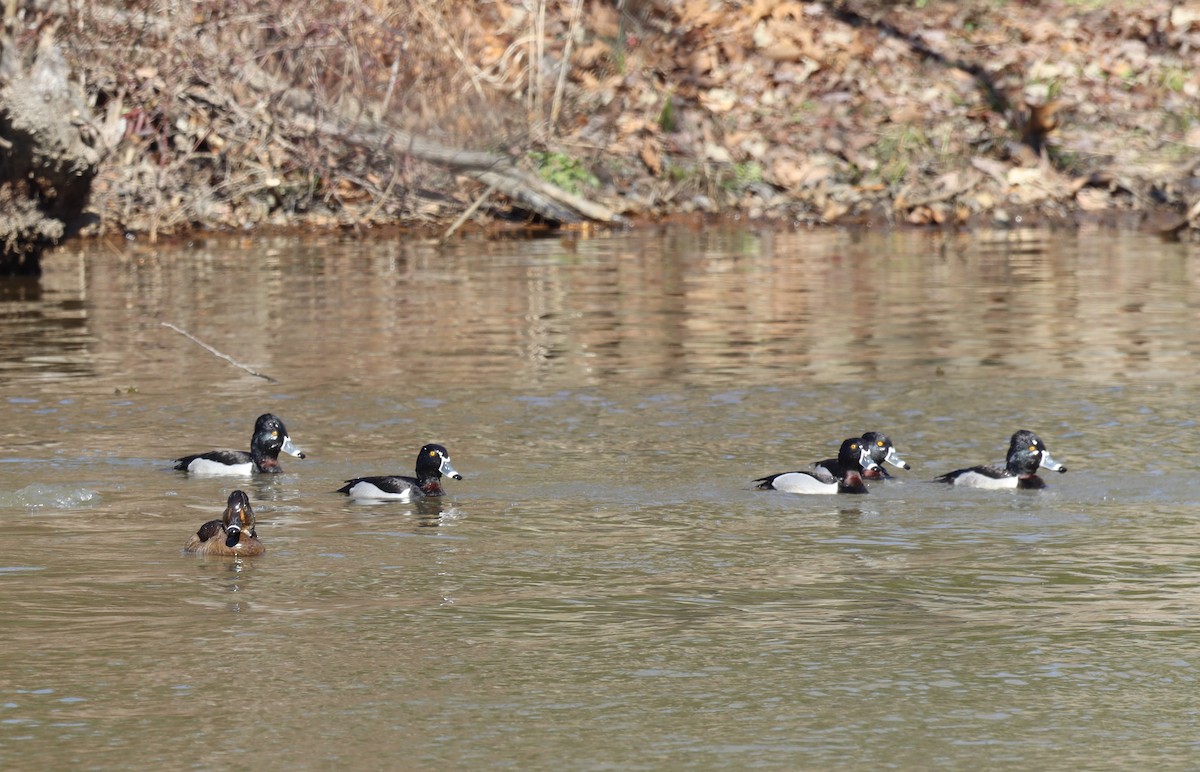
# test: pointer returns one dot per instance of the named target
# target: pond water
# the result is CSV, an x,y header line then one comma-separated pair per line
x,y
604,589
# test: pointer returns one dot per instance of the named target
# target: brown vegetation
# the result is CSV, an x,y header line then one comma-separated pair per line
x,y
47,159
244,115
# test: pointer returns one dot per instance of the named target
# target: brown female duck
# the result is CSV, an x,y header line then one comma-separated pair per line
x,y
232,536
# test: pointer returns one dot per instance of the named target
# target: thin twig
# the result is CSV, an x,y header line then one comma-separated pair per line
x,y
212,350
564,65
462,218
391,87
382,198
539,99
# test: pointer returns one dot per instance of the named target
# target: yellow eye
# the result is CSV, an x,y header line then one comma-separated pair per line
x,y
433,454
1032,448
879,443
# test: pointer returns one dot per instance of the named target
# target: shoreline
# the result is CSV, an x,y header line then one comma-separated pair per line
x,y
777,113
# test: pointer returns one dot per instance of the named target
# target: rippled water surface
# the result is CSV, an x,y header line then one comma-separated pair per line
x,y
604,590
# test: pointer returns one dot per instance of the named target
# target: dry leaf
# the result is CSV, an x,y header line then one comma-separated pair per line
x,y
630,124
699,13
604,20
783,51
1021,175
715,152
1092,199
1184,15
718,100
833,211
814,174
589,55
651,156
786,173
919,216
762,36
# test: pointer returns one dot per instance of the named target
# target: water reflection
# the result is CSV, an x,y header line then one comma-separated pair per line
x,y
233,575
423,513
44,327
744,307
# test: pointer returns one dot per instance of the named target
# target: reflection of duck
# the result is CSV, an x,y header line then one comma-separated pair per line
x,y
270,437
879,445
1026,454
853,457
233,535
433,461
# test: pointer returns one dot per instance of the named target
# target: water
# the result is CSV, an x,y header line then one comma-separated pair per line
x,y
604,590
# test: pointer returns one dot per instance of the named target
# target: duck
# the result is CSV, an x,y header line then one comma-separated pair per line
x,y
882,450
231,536
433,461
269,438
1026,454
854,457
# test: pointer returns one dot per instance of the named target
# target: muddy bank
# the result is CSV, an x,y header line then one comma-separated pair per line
x,y
924,113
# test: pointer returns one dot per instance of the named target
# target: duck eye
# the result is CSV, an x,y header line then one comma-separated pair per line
x,y
879,443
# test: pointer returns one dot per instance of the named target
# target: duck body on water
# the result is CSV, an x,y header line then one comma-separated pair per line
x,y
231,536
858,459
433,461
1026,454
862,458
854,457
270,438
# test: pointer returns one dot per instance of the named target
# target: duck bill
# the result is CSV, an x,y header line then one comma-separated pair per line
x,y
447,469
866,462
894,459
1051,464
233,534
290,448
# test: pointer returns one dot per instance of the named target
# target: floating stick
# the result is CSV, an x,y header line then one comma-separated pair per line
x,y
212,350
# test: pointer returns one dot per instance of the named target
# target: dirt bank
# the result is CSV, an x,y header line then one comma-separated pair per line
x,y
920,113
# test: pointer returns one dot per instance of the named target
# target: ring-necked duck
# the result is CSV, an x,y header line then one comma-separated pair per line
x,y
232,536
881,449
270,437
853,457
1026,453
433,461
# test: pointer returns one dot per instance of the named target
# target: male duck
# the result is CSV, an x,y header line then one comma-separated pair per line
x,y
853,458
882,450
231,536
1026,453
433,461
270,437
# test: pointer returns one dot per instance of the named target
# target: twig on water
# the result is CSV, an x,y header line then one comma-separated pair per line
x,y
212,350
